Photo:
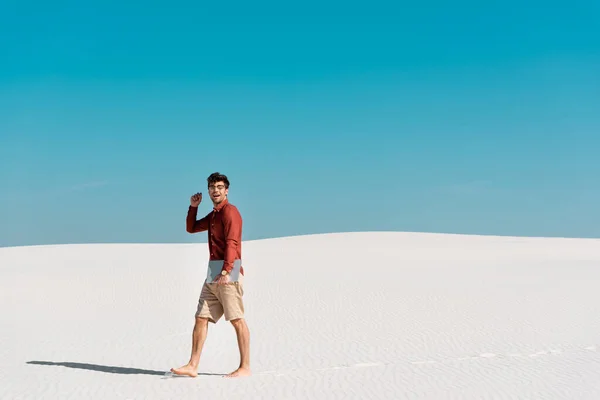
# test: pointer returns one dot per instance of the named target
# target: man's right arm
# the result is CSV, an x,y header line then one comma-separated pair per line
x,y
193,226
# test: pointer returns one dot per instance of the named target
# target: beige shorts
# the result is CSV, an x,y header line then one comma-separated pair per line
x,y
218,300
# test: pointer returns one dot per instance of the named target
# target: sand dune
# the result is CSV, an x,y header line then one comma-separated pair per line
x,y
372,315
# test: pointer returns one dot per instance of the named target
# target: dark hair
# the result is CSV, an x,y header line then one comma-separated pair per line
x,y
217,177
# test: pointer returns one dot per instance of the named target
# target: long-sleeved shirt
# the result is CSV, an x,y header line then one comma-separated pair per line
x,y
224,226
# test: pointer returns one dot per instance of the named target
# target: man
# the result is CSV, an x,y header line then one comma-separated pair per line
x,y
221,296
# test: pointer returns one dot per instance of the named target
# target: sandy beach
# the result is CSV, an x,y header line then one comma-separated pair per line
x,y
365,315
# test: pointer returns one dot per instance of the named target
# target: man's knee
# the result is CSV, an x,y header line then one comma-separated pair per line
x,y
201,322
237,322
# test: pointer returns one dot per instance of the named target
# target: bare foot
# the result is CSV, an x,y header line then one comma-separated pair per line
x,y
186,370
239,372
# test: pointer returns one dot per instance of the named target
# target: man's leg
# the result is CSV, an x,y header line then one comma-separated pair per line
x,y
209,310
198,339
243,339
233,306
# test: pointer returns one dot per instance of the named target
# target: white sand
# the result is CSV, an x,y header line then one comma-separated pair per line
x,y
339,316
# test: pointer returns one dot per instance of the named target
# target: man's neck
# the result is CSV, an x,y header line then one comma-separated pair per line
x,y
216,205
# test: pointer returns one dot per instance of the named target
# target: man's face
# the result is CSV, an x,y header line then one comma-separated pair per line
x,y
217,192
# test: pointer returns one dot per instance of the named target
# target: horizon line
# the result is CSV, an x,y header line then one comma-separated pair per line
x,y
300,235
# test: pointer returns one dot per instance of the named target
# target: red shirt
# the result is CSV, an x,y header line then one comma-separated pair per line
x,y
224,226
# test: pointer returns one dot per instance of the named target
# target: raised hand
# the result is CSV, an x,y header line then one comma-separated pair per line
x,y
196,199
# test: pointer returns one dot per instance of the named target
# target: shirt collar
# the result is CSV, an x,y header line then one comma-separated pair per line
x,y
221,205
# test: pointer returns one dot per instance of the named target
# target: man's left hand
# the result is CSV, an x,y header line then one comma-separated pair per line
x,y
222,279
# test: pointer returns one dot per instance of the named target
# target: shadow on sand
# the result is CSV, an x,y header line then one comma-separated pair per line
x,y
109,369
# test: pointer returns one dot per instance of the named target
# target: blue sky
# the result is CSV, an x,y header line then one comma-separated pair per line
x,y
327,117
